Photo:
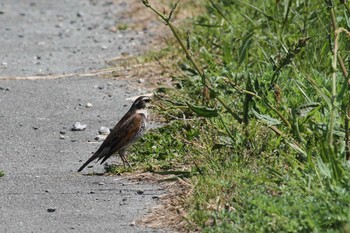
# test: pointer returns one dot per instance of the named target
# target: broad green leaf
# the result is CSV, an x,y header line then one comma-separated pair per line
x,y
266,118
202,110
305,109
323,167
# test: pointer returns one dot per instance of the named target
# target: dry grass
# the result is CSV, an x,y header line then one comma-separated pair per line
x,y
146,75
138,17
141,71
170,213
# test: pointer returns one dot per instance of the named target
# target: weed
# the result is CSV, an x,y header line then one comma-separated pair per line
x,y
268,89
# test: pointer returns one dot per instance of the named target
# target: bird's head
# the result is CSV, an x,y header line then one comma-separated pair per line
x,y
141,102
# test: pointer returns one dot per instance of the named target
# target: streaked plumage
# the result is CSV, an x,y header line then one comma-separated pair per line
x,y
127,131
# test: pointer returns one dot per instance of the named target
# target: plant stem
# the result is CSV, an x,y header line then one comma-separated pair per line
x,y
173,30
334,91
334,76
205,83
337,31
347,136
188,55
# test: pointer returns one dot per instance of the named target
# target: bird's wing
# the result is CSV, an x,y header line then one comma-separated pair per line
x,y
126,134
121,135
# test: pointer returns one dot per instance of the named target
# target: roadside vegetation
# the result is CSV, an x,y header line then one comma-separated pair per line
x,y
2,173
259,116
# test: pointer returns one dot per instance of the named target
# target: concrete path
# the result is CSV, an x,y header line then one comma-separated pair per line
x,y
41,190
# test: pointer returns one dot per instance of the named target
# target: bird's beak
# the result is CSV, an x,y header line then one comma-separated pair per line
x,y
147,99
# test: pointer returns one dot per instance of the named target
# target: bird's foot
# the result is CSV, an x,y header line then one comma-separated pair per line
x,y
125,161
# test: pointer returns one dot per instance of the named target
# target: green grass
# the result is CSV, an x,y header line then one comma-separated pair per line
x,y
162,149
2,173
260,117
246,198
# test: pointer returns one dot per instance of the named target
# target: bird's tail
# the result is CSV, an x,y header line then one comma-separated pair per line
x,y
92,158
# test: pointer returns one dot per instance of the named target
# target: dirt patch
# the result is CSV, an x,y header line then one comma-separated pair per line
x,y
138,17
170,213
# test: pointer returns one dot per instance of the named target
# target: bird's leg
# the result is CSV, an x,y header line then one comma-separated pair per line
x,y
122,155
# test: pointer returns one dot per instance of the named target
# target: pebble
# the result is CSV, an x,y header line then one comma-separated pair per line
x,y
62,136
79,126
88,105
51,210
104,130
80,14
141,80
4,89
140,192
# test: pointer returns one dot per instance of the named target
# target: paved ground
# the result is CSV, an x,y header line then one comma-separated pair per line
x,y
41,190
43,37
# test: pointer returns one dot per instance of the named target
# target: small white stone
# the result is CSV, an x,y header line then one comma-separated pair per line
x,y
104,130
133,223
89,105
78,126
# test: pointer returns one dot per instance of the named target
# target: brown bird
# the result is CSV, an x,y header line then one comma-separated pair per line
x,y
130,128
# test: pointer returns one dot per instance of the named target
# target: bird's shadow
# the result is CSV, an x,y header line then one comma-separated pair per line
x,y
110,169
115,169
